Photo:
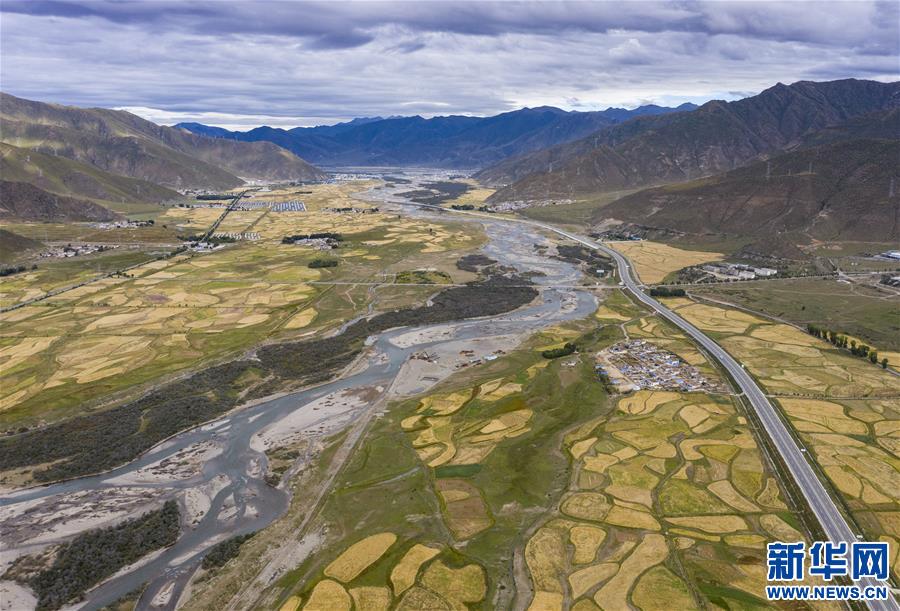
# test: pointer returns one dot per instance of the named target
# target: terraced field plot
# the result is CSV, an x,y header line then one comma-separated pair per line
x,y
475,195
422,577
846,410
854,309
240,221
316,197
654,261
166,315
53,274
118,332
191,220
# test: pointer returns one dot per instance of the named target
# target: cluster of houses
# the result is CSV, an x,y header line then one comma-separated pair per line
x,y
77,250
237,235
738,271
122,224
351,210
519,204
637,364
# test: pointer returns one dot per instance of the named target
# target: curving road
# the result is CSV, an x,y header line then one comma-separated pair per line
x,y
833,523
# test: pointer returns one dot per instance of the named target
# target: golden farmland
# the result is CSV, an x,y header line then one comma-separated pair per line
x,y
654,261
846,409
421,579
165,315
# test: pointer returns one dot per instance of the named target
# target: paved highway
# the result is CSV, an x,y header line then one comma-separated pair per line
x,y
823,506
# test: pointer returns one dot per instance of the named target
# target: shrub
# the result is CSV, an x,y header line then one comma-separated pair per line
x,y
96,554
317,263
555,353
222,552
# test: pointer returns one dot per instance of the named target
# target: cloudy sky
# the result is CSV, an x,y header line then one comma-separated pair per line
x,y
239,64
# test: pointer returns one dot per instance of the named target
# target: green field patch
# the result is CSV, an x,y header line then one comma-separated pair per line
x,y
456,470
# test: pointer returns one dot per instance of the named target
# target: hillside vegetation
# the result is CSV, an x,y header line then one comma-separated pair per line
x,y
13,245
838,191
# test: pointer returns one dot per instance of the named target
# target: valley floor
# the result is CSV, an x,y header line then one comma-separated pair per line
x,y
455,465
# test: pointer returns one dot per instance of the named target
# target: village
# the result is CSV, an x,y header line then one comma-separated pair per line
x,y
75,250
640,365
738,271
126,224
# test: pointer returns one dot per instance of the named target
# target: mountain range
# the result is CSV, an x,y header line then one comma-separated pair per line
x,y
122,144
716,137
446,142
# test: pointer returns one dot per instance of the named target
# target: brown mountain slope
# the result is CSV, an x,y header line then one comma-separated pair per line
x,y
66,177
14,246
21,200
839,191
123,143
717,137
883,124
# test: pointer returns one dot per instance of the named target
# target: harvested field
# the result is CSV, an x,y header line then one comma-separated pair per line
x,y
465,513
654,261
650,551
371,598
328,596
404,574
456,586
359,556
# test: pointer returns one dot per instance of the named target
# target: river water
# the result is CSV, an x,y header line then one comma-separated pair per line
x,y
232,471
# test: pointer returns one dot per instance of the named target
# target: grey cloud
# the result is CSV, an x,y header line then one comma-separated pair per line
x,y
322,62
819,22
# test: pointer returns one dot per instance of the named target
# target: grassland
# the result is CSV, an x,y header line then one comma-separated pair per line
x,y
844,409
161,233
654,261
579,214
53,274
83,345
661,500
867,313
